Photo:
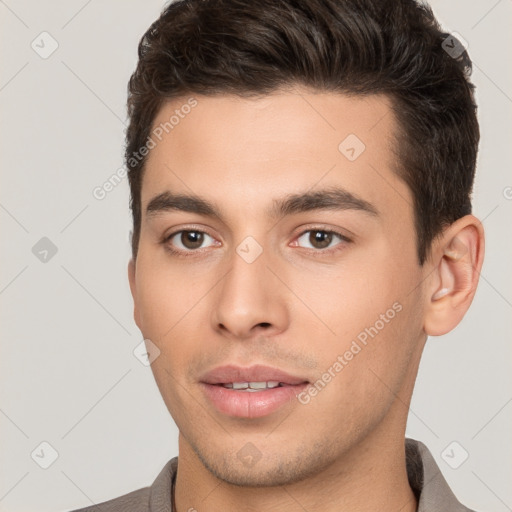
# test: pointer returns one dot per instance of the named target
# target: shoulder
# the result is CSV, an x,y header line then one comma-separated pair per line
x,y
156,497
427,481
135,501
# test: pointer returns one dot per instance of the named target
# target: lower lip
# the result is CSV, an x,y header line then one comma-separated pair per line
x,y
249,404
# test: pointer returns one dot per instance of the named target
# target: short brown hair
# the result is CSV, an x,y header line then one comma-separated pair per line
x,y
252,48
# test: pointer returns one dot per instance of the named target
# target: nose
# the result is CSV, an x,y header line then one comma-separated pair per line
x,y
251,300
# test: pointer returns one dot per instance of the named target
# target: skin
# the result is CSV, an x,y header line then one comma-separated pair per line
x,y
298,306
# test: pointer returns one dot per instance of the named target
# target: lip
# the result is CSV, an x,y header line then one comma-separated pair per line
x,y
256,373
246,404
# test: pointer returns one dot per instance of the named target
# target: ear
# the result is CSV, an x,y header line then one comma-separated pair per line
x,y
133,289
457,258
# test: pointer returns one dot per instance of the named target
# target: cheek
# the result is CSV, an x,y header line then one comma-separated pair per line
x,y
348,298
370,319
361,373
165,294
173,306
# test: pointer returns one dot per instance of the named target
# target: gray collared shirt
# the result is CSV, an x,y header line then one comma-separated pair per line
x,y
425,479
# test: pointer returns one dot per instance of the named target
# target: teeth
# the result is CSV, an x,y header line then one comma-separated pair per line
x,y
257,385
252,386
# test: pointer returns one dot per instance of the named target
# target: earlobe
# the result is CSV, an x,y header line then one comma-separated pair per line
x,y
455,277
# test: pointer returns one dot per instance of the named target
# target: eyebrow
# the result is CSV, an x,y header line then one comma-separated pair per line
x,y
332,199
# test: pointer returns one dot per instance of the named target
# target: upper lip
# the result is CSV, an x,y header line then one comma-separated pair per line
x,y
257,373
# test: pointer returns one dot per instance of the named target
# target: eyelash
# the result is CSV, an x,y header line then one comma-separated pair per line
x,y
189,253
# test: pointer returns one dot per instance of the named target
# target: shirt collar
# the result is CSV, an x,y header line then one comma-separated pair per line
x,y
427,481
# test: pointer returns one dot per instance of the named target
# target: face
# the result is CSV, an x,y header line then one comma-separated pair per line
x,y
293,261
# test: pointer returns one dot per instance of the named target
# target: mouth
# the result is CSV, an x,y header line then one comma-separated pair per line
x,y
250,392
253,386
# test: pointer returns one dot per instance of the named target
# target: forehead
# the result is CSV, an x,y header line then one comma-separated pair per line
x,y
246,150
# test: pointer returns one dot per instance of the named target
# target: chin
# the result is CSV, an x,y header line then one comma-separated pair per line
x,y
267,471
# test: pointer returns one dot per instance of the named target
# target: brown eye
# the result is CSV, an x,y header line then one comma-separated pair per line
x,y
192,239
188,240
320,239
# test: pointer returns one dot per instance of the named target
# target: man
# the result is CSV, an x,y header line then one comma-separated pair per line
x,y
300,180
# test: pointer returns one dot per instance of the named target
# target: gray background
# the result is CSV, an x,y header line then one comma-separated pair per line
x,y
68,373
